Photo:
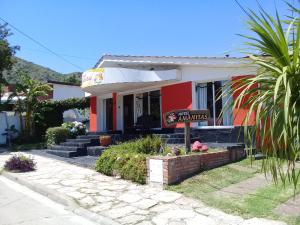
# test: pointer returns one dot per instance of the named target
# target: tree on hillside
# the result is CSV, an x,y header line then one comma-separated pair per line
x,y
31,90
73,79
6,55
274,93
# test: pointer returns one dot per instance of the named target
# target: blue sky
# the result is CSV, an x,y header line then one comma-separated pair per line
x,y
83,30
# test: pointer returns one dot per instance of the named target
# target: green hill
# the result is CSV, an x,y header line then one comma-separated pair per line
x,y
39,73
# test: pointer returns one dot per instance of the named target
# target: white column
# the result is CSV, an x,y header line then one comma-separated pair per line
x,y
120,112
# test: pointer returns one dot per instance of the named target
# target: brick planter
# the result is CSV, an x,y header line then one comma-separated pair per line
x,y
174,169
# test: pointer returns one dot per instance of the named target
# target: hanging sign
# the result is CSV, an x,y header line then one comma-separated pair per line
x,y
186,116
92,77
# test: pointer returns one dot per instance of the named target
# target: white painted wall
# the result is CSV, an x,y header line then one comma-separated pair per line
x,y
3,126
207,74
119,112
61,92
7,119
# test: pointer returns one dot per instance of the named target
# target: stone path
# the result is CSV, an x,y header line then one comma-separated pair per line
x,y
83,161
291,207
123,201
248,169
244,187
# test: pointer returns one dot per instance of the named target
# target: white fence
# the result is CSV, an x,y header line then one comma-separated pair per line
x,y
8,119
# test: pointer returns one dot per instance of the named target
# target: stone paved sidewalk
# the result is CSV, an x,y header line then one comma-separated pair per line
x,y
123,201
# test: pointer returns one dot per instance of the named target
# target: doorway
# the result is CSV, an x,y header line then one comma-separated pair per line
x,y
109,114
128,112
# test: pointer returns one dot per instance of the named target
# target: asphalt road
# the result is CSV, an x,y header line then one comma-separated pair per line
x,y
21,206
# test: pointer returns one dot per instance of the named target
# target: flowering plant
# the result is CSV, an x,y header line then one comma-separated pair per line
x,y
75,128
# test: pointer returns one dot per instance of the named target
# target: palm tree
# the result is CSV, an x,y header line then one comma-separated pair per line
x,y
31,90
274,93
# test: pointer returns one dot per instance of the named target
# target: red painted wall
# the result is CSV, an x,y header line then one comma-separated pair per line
x,y
114,111
176,96
240,114
93,113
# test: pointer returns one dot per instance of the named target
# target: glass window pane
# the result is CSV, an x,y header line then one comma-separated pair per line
x,y
210,104
218,103
227,105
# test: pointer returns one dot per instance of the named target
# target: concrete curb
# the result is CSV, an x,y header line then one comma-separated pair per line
x,y
55,196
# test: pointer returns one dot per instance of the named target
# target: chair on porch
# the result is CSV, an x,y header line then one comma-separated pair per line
x,y
144,123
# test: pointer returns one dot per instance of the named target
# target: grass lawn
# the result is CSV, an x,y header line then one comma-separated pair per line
x,y
258,204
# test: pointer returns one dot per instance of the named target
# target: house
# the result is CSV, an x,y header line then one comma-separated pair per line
x,y
63,90
124,88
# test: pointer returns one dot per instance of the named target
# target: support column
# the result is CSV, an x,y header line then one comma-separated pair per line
x,y
114,111
93,113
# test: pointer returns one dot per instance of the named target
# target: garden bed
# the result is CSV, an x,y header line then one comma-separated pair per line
x,y
148,159
174,169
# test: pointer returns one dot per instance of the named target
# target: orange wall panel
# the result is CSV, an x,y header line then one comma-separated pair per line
x,y
174,97
240,114
93,113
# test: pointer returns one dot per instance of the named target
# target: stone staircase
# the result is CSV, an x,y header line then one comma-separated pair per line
x,y
77,147
89,144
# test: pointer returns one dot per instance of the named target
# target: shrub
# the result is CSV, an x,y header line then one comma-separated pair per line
x,y
20,163
129,159
106,162
135,169
75,128
55,135
27,146
129,165
147,145
50,113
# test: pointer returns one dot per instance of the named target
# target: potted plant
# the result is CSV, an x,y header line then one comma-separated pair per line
x,y
105,140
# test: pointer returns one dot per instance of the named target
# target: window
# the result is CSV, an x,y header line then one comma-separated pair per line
x,y
210,97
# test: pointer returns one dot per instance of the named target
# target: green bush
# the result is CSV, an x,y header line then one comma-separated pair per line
x,y
146,145
129,165
106,162
129,159
49,113
55,135
135,169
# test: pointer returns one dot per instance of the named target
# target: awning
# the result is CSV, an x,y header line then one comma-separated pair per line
x,y
108,80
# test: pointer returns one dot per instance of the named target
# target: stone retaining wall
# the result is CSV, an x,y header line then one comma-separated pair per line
x,y
174,169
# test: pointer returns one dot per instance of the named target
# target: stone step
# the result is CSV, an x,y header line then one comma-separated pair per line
x,y
67,154
83,140
87,136
259,156
91,141
95,150
75,144
65,148
80,151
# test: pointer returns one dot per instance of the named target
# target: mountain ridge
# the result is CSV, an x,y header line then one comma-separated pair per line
x,y
39,72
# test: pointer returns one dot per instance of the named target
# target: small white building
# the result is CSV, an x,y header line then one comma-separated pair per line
x,y
63,90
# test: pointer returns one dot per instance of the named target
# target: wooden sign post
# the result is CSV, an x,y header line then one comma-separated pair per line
x,y
187,137
186,117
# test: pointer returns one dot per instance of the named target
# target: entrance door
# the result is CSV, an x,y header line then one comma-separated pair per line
x,y
109,114
128,112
